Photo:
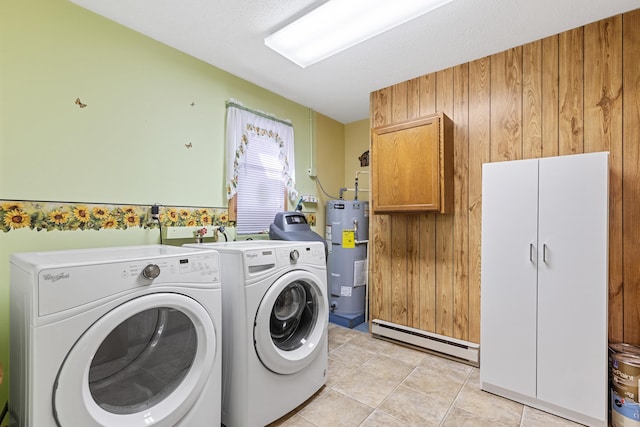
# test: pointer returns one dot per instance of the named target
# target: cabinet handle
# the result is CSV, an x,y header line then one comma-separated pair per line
x,y
544,253
531,252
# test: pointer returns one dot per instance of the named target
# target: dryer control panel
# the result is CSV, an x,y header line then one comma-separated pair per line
x,y
63,288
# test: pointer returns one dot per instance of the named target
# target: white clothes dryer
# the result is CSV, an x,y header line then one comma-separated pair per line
x,y
127,336
275,320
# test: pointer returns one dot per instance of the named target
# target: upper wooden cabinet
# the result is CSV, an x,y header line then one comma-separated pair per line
x,y
412,166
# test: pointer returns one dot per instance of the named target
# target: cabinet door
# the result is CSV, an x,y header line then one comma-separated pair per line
x,y
573,285
406,166
508,303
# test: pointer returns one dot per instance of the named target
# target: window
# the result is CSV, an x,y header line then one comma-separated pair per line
x,y
260,167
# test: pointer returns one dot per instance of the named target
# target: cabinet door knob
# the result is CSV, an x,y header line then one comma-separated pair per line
x,y
544,253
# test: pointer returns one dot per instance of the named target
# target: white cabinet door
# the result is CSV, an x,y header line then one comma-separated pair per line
x,y
572,283
509,275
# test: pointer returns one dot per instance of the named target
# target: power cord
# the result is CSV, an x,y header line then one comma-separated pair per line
x,y
221,230
317,178
4,411
155,215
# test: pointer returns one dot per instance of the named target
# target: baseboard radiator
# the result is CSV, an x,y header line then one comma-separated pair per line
x,y
453,348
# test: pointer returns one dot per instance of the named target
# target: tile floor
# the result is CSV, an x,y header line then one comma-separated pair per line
x,y
372,382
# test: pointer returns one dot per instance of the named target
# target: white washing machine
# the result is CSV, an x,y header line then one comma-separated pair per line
x,y
127,336
275,319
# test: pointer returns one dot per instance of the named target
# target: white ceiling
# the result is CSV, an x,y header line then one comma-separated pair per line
x,y
230,35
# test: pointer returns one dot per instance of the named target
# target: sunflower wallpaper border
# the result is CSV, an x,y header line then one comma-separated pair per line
x,y
69,216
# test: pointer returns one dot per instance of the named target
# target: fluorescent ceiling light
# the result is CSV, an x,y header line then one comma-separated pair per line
x,y
339,24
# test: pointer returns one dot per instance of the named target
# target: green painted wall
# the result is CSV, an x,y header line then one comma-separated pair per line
x,y
357,135
329,161
145,103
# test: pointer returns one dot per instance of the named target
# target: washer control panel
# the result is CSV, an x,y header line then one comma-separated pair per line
x,y
306,253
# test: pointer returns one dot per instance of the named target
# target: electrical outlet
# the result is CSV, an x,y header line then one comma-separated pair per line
x,y
307,198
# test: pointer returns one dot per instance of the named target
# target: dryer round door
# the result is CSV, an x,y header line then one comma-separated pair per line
x,y
143,363
291,322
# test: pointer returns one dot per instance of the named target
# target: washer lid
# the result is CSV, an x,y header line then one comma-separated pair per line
x,y
147,369
291,322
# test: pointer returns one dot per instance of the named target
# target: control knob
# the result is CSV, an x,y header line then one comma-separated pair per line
x,y
151,271
294,255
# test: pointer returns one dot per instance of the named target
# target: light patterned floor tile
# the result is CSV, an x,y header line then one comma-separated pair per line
x,y
387,367
414,408
380,419
460,418
535,418
351,354
335,409
366,387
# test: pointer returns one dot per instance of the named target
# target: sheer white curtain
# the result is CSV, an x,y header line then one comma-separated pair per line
x,y
260,165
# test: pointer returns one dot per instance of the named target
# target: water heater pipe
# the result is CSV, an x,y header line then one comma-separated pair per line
x,y
355,232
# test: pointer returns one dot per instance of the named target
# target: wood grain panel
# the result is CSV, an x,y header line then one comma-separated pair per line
x,y
506,105
399,309
550,100
413,270
413,98
444,225
427,256
399,291
380,107
427,261
631,177
379,228
603,132
380,295
399,102
427,94
479,153
532,100
414,93
571,80
461,202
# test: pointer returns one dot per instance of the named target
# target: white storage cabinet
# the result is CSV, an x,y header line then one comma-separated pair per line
x,y
543,338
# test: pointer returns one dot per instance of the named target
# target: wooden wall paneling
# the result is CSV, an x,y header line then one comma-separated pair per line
x,y
399,291
413,270
413,226
603,132
461,202
550,94
444,224
380,296
427,273
428,94
479,153
571,80
380,101
631,177
399,102
427,228
413,98
532,100
506,105
380,228
399,256
560,95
